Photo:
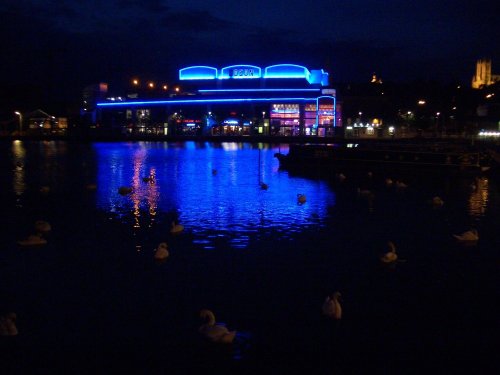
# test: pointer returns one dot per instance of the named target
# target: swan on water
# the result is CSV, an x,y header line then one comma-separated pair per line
x,y
437,202
161,252
470,236
301,198
33,240
390,256
42,227
365,193
401,185
332,307
176,228
124,190
8,325
340,177
215,332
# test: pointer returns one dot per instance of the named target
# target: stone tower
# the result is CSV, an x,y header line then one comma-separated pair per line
x,y
483,76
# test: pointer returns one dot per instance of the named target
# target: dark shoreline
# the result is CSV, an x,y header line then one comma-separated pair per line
x,y
466,142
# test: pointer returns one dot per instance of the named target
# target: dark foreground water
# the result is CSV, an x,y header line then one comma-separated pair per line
x,y
94,301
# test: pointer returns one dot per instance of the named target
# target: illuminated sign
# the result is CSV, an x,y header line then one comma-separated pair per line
x,y
239,72
243,71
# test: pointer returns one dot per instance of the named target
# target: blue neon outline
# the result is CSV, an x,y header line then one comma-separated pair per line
x,y
334,108
257,90
201,101
222,76
198,76
306,74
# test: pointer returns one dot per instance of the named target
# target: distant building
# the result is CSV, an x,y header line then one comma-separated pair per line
x,y
40,122
281,100
376,79
483,76
92,94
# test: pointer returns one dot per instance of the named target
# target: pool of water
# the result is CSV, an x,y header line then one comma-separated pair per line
x,y
93,300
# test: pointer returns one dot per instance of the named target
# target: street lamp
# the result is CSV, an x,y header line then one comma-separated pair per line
x,y
20,121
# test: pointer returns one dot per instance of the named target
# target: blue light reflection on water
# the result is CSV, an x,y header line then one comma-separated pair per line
x,y
229,202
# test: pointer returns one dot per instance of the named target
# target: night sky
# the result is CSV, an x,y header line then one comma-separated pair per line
x,y
67,44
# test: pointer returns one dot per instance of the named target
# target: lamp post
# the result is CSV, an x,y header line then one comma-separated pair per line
x,y
20,121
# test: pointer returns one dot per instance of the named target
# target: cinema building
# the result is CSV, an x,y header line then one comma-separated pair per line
x,y
284,100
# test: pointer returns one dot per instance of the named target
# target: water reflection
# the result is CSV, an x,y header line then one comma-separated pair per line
x,y
229,204
18,159
478,200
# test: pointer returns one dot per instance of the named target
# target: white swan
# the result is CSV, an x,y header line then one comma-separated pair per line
x,y
470,236
33,240
401,185
176,228
301,198
390,256
332,307
437,202
340,177
124,190
366,194
42,227
8,325
215,332
161,252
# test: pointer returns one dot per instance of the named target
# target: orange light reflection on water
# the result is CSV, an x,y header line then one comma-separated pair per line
x,y
478,200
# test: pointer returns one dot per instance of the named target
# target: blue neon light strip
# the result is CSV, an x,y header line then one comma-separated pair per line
x,y
287,71
197,72
260,90
202,101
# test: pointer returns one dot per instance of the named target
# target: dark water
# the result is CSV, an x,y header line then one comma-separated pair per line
x,y
93,300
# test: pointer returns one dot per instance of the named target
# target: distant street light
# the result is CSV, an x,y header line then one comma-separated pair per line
x,y
20,121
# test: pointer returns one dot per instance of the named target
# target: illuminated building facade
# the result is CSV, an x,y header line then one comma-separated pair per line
x,y
483,76
284,99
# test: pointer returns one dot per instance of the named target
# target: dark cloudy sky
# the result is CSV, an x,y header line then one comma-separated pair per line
x,y
70,43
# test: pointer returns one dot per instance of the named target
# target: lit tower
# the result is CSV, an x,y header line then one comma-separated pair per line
x,y
483,74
